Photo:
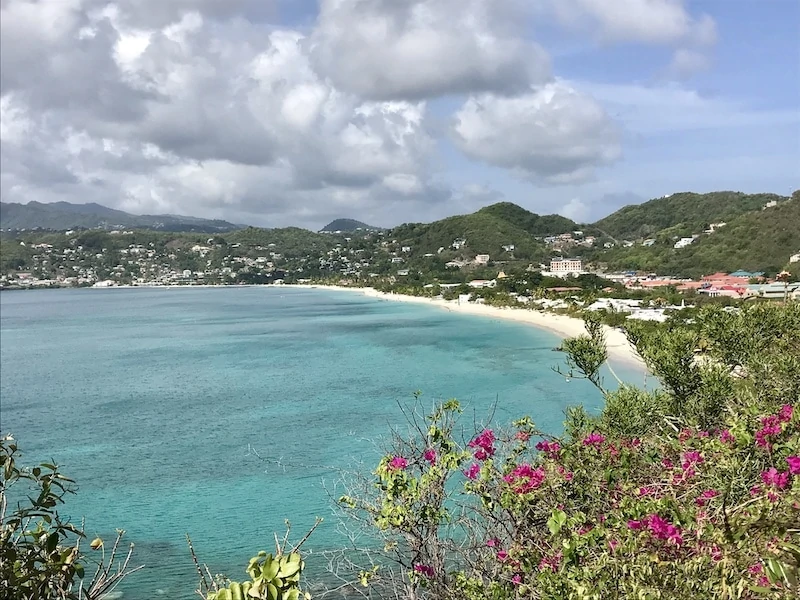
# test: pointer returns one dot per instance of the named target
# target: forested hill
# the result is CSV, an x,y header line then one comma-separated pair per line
x,y
60,216
347,225
686,212
486,231
761,240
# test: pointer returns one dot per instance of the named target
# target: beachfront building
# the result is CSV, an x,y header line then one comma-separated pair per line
x,y
566,266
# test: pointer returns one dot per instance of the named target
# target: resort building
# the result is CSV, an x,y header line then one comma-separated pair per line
x,y
566,266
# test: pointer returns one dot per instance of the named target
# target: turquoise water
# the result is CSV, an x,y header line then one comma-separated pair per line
x,y
154,400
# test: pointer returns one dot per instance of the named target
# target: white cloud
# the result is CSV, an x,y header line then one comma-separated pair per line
x,y
646,21
576,210
207,116
425,48
551,134
686,63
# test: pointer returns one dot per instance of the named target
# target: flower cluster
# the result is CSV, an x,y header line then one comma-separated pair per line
x,y
483,445
551,449
524,478
659,528
398,463
594,439
772,426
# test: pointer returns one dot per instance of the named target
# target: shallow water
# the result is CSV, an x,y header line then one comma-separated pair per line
x,y
157,400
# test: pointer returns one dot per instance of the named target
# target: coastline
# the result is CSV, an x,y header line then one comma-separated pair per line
x,y
619,348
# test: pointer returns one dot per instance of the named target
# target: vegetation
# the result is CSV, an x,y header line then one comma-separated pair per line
x,y
761,240
346,225
60,216
688,491
686,213
40,554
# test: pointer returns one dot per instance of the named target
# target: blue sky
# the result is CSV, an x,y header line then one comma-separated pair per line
x,y
300,111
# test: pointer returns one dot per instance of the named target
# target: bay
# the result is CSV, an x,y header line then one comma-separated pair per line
x,y
221,412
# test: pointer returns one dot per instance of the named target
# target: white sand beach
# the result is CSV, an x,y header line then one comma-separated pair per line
x,y
619,349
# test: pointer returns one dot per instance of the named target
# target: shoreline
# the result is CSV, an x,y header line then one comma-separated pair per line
x,y
619,348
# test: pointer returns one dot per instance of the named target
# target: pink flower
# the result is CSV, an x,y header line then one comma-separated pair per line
x,y
755,490
430,456
770,427
491,543
398,463
484,444
645,491
612,545
425,570
785,414
472,471
635,525
551,562
705,497
516,579
549,448
594,439
774,478
664,530
524,478
794,464
691,458
666,463
755,569
523,436
726,437
502,555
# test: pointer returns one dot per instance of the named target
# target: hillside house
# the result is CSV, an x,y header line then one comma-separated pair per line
x,y
482,259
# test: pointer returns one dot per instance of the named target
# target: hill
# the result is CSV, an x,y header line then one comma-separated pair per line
x,y
60,216
761,240
486,231
346,225
686,213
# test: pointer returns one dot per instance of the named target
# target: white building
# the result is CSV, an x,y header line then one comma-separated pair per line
x,y
683,242
794,258
482,259
565,266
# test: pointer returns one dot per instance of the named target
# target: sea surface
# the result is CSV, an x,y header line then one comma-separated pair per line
x,y
221,412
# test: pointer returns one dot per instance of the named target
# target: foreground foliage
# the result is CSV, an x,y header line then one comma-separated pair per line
x,y
40,553
688,491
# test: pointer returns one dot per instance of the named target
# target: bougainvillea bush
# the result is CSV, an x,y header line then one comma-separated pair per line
x,y
688,491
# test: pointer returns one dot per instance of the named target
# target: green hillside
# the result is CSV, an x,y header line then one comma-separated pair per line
x,y
346,225
762,240
686,212
486,232
60,216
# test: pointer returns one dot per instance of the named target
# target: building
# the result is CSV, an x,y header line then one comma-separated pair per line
x,y
683,242
482,259
794,258
566,266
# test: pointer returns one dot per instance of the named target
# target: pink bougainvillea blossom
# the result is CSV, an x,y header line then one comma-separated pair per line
x,y
471,472
770,427
726,437
523,436
549,448
551,562
516,579
502,556
492,542
483,444
430,456
594,439
785,414
425,570
659,528
524,478
398,463
707,495
794,464
774,478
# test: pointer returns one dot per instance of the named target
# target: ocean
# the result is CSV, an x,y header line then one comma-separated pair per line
x,y
222,412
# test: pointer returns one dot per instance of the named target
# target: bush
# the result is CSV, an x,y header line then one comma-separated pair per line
x,y
691,491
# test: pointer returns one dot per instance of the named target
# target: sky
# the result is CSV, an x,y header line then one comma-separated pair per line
x,y
296,112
